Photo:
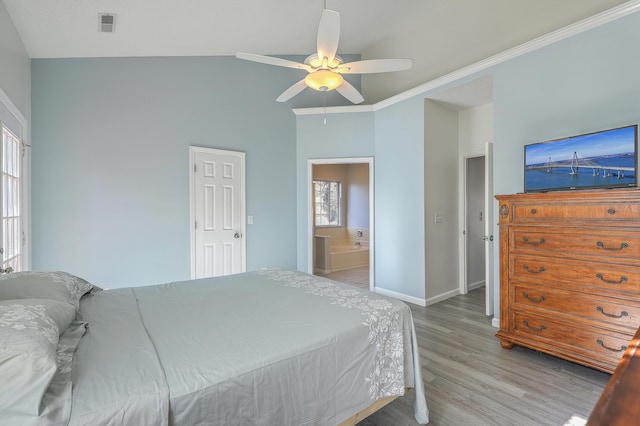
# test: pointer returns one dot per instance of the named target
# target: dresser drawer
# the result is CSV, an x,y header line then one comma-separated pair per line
x,y
559,273
607,310
597,342
583,211
613,245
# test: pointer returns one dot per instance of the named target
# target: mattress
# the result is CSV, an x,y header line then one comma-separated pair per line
x,y
259,348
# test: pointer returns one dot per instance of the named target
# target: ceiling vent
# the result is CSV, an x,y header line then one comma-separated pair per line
x,y
106,22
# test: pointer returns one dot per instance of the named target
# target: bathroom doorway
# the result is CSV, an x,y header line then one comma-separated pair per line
x,y
341,220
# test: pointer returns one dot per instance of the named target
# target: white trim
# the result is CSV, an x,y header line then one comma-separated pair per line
x,y
333,110
13,110
401,296
553,37
444,296
476,285
192,213
347,160
25,179
495,322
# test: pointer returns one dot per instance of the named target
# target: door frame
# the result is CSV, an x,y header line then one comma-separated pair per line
x,y
25,178
345,160
462,220
192,211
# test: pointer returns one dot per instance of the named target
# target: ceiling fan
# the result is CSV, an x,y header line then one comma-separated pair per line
x,y
325,68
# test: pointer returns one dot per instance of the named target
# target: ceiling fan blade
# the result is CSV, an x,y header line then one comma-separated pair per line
x,y
328,35
270,60
374,66
350,92
292,91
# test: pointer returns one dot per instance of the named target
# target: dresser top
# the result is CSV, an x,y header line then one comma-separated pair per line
x,y
618,194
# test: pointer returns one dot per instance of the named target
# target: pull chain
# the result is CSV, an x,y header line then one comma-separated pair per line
x,y
324,108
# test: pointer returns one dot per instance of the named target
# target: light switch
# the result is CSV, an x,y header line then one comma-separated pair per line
x,y
250,219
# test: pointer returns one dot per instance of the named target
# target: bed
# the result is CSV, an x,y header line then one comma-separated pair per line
x,y
260,348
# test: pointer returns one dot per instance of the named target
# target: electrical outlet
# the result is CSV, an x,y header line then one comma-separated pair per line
x,y
439,217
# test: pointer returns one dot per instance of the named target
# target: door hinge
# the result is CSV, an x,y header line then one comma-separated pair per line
x,y
195,168
195,224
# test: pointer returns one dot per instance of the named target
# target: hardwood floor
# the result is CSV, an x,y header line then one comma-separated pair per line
x,y
471,380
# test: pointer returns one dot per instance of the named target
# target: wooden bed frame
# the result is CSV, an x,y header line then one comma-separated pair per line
x,y
358,417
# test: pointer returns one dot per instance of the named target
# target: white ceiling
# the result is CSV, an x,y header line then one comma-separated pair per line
x,y
440,35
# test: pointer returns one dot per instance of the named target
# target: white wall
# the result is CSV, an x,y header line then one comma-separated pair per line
x,y
476,129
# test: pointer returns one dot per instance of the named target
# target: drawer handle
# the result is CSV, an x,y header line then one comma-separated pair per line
x,y
622,246
622,314
534,211
611,211
534,243
526,268
541,299
526,324
601,343
620,281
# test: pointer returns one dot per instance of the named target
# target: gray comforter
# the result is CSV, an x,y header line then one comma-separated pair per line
x,y
262,348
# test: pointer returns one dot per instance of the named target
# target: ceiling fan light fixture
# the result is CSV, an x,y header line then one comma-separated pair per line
x,y
323,80
315,62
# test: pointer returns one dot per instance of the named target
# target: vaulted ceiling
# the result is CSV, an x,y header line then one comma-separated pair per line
x,y
439,35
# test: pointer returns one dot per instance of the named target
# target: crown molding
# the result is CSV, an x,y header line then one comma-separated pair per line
x,y
587,24
333,110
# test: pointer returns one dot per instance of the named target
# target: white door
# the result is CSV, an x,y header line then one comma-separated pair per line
x,y
217,212
488,226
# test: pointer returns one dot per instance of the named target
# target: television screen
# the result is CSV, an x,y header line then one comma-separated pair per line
x,y
604,159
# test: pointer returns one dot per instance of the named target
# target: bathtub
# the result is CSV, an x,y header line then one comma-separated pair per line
x,y
346,256
333,255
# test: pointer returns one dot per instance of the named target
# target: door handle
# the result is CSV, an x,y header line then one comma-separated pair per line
x,y
237,235
485,238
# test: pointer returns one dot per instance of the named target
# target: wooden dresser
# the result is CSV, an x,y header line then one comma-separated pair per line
x,y
570,273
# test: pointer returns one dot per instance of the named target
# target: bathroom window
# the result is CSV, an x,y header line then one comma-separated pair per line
x,y
328,196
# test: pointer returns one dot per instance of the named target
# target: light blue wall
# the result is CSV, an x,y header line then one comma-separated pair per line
x,y
394,137
343,136
582,84
110,161
399,198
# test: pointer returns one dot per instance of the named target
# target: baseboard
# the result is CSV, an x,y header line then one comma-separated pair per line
x,y
443,296
475,285
322,271
401,296
495,322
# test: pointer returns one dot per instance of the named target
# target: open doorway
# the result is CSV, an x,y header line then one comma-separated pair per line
x,y
341,220
476,257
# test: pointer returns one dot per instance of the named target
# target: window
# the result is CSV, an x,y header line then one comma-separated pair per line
x,y
11,201
328,202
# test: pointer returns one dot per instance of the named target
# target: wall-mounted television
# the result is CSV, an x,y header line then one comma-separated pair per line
x,y
603,159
